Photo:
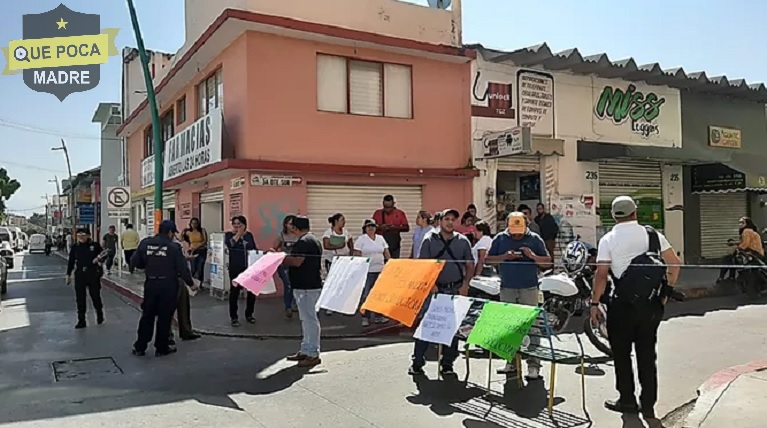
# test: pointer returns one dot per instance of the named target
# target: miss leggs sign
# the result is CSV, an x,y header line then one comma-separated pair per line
x,y
197,146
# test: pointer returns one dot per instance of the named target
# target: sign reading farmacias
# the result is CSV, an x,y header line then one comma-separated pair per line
x,y
61,51
197,146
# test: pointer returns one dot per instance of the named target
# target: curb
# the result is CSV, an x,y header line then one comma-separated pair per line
x,y
137,300
713,388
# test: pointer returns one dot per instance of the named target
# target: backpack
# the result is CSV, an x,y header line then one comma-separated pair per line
x,y
645,276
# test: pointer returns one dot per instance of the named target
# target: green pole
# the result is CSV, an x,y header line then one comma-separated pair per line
x,y
156,131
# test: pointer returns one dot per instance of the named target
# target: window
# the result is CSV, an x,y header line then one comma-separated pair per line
x,y
364,87
181,111
166,125
210,94
148,146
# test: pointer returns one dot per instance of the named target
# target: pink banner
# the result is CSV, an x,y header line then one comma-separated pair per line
x,y
257,275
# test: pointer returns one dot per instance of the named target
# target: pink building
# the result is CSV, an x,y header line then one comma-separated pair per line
x,y
272,110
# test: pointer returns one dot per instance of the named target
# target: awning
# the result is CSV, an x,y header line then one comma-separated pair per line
x,y
547,146
593,151
743,172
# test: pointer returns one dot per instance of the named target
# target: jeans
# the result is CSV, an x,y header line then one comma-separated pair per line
x,y
369,282
110,260
306,300
287,296
198,264
450,353
529,297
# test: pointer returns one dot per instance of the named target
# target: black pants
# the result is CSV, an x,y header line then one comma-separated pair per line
x,y
234,295
157,314
110,261
128,256
631,325
90,284
183,312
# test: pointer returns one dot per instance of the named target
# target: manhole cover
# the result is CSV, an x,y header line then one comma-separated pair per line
x,y
87,368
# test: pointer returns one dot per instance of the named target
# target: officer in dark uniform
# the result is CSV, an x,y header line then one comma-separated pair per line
x,y
163,262
85,259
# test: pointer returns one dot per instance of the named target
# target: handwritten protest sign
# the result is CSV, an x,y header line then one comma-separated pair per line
x,y
402,287
344,284
501,327
442,319
257,278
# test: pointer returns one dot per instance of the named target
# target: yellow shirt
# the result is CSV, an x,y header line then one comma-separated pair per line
x,y
130,239
751,240
196,239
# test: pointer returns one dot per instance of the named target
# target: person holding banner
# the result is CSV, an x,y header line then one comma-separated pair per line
x,y
374,247
304,269
336,241
239,241
454,278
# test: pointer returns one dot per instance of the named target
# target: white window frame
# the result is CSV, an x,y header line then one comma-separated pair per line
x,y
342,83
210,94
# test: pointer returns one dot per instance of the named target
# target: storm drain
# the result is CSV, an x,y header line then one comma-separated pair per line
x,y
86,368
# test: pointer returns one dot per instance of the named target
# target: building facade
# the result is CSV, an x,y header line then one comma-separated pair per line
x,y
271,111
109,117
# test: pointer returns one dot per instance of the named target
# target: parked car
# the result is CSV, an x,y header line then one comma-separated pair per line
x,y
6,251
37,243
3,276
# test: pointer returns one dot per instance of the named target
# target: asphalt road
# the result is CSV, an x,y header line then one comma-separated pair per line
x,y
53,375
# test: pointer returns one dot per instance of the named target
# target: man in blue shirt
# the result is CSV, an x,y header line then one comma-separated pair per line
x,y
519,254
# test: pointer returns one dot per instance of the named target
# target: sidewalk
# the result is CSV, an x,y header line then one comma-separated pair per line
x,y
732,397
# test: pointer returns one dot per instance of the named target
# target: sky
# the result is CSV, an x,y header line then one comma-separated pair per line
x,y
718,37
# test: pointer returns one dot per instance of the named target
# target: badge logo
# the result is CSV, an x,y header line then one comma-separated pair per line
x,y
61,51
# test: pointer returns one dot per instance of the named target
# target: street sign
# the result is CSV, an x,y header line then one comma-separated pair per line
x,y
86,213
118,202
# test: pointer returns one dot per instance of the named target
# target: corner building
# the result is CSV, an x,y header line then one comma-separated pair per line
x,y
270,110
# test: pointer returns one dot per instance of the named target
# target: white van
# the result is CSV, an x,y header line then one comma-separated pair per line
x,y
36,243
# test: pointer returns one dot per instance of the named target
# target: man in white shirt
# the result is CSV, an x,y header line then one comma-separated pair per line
x,y
631,322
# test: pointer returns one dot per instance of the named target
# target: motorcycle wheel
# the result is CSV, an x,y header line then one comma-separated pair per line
x,y
596,338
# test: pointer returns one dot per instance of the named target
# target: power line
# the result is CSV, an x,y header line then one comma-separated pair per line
x,y
36,130
37,168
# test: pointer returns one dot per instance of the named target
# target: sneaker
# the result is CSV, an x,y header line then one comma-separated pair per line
x,y
533,373
80,324
235,323
447,371
416,370
251,320
309,362
508,370
365,322
288,313
296,357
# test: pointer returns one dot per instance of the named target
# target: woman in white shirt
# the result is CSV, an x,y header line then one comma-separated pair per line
x,y
336,241
374,247
484,241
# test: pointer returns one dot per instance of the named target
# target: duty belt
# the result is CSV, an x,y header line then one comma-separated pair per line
x,y
157,277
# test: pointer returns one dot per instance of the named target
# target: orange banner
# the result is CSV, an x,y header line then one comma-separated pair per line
x,y
402,288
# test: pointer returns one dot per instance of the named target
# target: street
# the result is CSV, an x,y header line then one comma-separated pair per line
x,y
54,375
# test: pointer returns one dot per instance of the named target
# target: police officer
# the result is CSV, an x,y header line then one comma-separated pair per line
x,y
163,262
85,259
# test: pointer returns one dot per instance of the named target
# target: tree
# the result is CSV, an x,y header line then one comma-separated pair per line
x,y
8,187
38,220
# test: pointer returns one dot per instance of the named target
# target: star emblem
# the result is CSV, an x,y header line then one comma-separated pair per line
x,y
62,24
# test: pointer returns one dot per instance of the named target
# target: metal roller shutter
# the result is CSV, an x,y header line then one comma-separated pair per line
x,y
169,200
642,180
522,163
719,214
212,196
357,203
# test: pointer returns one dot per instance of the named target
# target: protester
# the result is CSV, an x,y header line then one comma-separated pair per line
x,y
374,247
284,242
239,241
304,268
519,253
453,279
466,227
629,254
197,238
479,250
129,242
392,222
85,258
336,241
423,227
548,227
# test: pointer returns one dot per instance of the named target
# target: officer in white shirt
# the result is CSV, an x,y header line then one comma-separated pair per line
x,y
632,324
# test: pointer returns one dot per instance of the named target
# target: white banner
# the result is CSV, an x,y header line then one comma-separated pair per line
x,y
442,319
197,146
147,172
343,286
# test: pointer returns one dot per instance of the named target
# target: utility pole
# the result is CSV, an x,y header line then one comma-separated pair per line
x,y
156,131
71,198
58,199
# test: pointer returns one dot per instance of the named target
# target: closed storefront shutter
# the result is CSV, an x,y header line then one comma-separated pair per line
x,y
357,203
212,196
719,214
169,200
524,163
642,180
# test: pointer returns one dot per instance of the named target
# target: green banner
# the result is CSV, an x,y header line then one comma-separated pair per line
x,y
501,327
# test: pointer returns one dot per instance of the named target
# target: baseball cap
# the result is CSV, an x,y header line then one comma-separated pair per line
x,y
623,206
517,223
168,226
369,222
451,211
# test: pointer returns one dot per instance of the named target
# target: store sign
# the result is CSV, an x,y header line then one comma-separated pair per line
x,y
236,183
147,172
186,211
716,177
86,213
271,180
640,110
197,146
514,141
235,204
535,95
724,137
494,101
84,195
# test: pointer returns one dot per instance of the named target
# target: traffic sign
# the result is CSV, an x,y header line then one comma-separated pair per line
x,y
118,202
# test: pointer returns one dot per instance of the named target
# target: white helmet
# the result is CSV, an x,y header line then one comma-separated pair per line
x,y
575,256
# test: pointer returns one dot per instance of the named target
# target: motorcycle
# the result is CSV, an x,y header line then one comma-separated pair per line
x,y
751,272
